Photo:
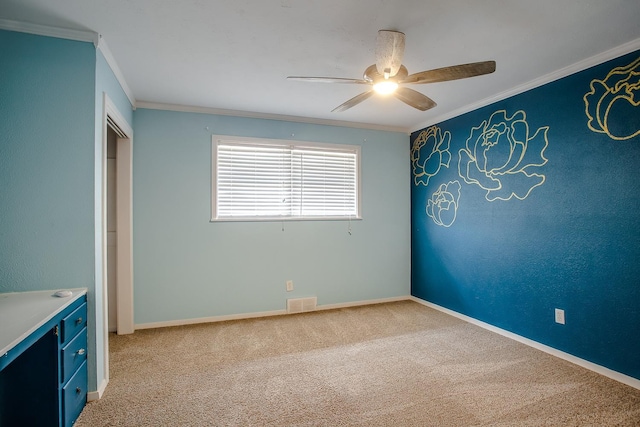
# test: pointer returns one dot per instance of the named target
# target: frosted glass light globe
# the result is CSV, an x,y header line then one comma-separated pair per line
x,y
385,87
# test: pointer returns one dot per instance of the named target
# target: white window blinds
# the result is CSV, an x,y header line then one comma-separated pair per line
x,y
263,179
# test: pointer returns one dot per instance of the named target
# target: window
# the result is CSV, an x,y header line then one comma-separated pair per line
x,y
259,179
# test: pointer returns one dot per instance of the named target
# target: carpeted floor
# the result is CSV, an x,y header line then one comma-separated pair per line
x,y
396,364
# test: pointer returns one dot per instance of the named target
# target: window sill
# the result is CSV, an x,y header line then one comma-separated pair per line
x,y
280,219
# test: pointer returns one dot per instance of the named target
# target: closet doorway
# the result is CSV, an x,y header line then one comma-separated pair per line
x,y
117,230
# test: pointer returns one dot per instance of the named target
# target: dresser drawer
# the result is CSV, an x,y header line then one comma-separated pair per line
x,y
73,355
74,396
74,322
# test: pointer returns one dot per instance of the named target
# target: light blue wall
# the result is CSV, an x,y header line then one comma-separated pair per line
x,y
106,84
46,163
186,267
50,170
568,238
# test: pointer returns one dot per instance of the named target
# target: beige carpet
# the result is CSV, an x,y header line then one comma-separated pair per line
x,y
396,364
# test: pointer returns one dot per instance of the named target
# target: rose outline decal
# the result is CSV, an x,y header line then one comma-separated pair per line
x,y
617,89
430,151
502,158
443,205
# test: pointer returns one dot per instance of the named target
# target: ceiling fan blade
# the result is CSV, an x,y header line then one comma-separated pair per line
x,y
353,101
389,52
327,80
414,98
454,72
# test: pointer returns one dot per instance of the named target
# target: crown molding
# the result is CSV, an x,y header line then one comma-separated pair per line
x,y
77,35
541,81
111,61
45,30
266,116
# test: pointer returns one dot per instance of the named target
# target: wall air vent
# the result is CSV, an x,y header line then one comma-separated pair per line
x,y
301,305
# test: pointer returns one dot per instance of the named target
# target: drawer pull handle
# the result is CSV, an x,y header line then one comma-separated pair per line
x,y
79,321
81,351
78,390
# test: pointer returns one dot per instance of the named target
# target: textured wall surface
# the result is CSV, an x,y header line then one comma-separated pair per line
x,y
531,204
50,170
186,267
46,163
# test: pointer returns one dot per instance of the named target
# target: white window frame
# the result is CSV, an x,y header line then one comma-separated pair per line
x,y
222,139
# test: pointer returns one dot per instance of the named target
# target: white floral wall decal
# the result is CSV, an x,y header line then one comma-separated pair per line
x,y
443,205
618,92
429,153
502,157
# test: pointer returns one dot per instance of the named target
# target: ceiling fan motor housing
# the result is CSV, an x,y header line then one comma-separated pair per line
x,y
389,52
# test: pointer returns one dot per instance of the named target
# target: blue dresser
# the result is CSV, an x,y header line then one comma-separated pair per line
x,y
43,358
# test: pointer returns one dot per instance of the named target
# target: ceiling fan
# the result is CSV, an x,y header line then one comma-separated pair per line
x,y
388,75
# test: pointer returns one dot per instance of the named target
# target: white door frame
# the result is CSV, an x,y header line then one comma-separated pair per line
x,y
124,228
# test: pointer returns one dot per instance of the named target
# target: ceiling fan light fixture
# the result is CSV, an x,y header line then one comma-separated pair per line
x,y
388,76
385,87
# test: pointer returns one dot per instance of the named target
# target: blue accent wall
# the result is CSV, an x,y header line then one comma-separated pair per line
x,y
186,267
532,204
46,163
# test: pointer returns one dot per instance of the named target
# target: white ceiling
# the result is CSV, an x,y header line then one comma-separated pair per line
x,y
236,54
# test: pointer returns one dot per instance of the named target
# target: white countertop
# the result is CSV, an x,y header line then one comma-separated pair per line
x,y
21,313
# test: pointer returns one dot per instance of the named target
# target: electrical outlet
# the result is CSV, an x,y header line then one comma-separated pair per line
x,y
289,285
560,316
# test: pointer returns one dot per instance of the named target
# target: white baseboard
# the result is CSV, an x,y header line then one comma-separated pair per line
x,y
615,375
211,319
97,395
359,303
242,316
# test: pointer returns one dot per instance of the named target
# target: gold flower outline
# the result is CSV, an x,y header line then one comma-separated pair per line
x,y
620,85
430,151
442,208
502,158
